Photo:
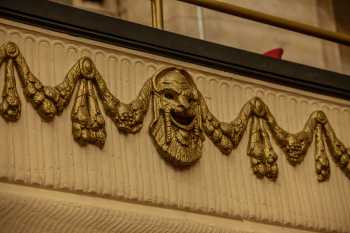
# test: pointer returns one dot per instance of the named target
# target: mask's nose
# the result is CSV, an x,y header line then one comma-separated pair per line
x,y
183,102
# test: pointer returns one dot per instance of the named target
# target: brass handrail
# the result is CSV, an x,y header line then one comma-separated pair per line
x,y
257,16
157,14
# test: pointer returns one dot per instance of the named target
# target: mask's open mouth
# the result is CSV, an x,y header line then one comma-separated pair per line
x,y
182,120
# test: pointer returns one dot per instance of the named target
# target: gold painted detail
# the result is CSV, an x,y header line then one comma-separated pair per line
x,y
176,125
263,158
10,106
181,117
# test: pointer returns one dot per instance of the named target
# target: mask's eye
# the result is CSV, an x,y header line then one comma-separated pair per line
x,y
169,95
191,100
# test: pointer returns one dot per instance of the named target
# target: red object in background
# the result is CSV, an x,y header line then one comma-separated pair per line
x,y
275,53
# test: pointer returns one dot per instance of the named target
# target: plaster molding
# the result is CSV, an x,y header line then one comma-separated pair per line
x,y
32,210
129,168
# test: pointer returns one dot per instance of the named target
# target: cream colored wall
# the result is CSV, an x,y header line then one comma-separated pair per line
x,y
129,168
32,210
248,35
244,34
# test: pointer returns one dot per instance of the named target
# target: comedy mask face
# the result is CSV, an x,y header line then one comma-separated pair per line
x,y
176,127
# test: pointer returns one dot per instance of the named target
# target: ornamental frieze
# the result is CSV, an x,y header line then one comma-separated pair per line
x,y
181,117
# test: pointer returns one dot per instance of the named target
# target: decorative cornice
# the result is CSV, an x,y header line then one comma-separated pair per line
x,y
75,21
178,135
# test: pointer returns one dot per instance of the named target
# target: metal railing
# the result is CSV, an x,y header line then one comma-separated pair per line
x,y
341,38
157,14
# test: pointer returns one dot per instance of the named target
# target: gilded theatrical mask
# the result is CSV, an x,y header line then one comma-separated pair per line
x,y
176,127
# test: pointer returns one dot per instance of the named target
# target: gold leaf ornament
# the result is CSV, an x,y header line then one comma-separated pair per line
x,y
10,106
88,124
181,117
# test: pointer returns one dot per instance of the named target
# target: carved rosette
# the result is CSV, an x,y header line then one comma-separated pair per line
x,y
180,117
